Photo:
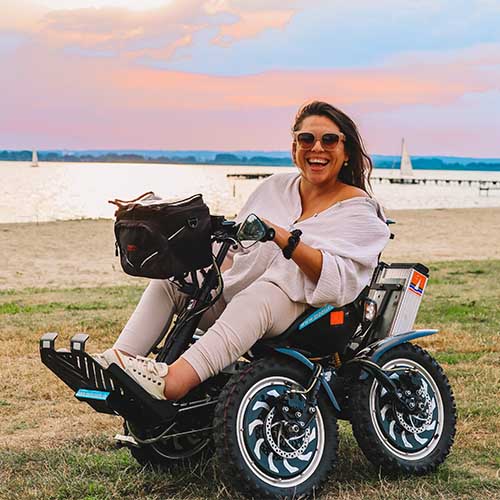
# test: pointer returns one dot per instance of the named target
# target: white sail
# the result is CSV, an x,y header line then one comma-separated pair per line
x,y
34,159
406,169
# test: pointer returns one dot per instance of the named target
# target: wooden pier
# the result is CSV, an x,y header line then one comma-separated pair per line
x,y
242,177
484,185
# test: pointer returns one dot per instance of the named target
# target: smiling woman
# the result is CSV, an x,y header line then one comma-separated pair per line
x,y
127,4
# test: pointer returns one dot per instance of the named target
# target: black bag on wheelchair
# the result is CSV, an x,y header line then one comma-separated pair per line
x,y
159,240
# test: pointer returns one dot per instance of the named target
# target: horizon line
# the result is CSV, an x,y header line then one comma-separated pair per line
x,y
231,151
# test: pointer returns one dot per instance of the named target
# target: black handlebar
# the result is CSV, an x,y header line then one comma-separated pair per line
x,y
230,227
220,223
270,233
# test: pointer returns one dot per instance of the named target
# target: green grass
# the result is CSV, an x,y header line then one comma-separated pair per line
x,y
52,447
16,308
453,358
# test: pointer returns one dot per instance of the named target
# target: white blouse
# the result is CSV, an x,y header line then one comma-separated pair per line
x,y
350,234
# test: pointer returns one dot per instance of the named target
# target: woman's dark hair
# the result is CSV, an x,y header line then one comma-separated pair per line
x,y
358,170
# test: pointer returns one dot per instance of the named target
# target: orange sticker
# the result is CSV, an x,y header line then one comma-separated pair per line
x,y
337,318
417,283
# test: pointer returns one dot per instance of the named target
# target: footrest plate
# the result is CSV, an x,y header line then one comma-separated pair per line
x,y
108,390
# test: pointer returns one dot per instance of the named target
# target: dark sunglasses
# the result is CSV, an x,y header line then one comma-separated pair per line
x,y
329,141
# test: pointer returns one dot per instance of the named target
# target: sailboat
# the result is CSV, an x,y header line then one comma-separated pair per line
x,y
34,159
406,168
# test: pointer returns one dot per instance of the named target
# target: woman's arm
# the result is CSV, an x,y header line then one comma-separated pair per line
x,y
228,263
345,252
309,259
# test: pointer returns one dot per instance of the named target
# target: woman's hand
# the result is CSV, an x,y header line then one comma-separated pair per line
x,y
309,259
281,234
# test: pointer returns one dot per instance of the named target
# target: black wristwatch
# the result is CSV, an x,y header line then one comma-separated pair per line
x,y
293,241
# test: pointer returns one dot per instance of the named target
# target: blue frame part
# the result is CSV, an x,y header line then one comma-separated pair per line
x,y
375,351
316,315
300,357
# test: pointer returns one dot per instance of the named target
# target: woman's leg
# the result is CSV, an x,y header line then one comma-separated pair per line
x,y
181,375
146,327
151,318
261,309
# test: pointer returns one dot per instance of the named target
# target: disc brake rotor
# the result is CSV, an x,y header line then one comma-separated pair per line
x,y
281,441
418,424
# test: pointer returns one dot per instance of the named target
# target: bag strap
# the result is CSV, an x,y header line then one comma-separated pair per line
x,y
185,200
122,203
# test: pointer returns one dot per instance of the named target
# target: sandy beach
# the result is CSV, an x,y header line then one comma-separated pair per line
x,y
81,253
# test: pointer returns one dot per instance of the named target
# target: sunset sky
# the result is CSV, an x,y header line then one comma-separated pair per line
x,y
230,74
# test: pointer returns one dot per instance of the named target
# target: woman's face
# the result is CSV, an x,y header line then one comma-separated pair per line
x,y
317,165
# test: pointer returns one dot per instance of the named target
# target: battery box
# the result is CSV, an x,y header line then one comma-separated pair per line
x,y
398,290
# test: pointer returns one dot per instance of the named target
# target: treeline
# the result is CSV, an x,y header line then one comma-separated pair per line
x,y
438,164
232,159
85,157
219,159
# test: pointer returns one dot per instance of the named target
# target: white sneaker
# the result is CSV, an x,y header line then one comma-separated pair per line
x,y
148,373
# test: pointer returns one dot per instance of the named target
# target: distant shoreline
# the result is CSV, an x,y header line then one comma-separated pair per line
x,y
250,158
418,163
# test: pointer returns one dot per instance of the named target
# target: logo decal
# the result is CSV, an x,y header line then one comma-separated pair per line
x,y
315,316
417,283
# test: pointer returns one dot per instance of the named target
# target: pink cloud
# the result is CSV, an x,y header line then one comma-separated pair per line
x,y
22,15
50,99
393,85
251,24
157,33
119,30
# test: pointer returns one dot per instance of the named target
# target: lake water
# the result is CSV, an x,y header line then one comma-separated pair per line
x,y
58,191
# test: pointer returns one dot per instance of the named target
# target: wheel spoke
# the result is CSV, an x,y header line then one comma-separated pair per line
x,y
418,439
260,404
253,425
391,429
290,468
258,445
274,393
312,437
432,406
405,441
305,456
431,426
384,411
270,463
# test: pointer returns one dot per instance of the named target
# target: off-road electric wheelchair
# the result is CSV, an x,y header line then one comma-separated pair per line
x,y
272,416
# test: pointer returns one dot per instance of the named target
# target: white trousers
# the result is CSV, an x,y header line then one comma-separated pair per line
x,y
261,310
